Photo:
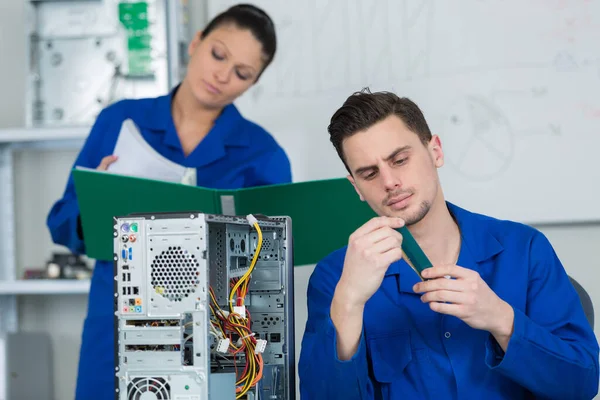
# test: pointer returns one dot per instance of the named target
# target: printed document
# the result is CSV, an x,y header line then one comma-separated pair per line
x,y
135,157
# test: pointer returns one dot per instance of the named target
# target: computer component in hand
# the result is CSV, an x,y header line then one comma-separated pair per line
x,y
412,252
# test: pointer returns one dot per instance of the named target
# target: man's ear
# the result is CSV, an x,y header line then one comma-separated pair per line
x,y
194,43
351,179
435,149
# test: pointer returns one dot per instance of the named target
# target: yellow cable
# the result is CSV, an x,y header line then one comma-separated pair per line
x,y
252,264
249,347
251,373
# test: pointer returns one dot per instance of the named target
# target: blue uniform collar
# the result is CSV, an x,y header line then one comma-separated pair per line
x,y
224,133
477,240
477,245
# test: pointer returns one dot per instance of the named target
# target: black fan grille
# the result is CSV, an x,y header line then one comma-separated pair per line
x,y
175,273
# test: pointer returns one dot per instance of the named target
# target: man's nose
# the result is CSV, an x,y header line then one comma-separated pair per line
x,y
390,180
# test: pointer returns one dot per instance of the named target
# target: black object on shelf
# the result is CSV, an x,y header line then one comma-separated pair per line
x,y
67,266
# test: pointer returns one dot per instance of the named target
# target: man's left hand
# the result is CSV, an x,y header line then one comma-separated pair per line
x,y
458,291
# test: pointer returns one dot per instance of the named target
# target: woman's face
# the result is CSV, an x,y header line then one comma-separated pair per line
x,y
223,65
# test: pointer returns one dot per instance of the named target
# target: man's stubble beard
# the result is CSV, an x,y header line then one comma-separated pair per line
x,y
424,208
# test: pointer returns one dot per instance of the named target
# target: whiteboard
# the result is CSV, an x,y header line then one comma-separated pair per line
x,y
511,87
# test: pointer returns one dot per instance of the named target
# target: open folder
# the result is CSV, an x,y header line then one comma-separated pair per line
x,y
324,213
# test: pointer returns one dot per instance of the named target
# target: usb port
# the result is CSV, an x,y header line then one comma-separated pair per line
x,y
124,290
275,337
128,289
124,277
128,277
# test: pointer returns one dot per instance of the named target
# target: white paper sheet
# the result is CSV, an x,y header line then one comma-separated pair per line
x,y
135,157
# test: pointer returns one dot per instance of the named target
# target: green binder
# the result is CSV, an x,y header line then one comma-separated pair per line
x,y
324,213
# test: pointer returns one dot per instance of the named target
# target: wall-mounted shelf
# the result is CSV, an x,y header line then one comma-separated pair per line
x,y
11,140
44,287
59,133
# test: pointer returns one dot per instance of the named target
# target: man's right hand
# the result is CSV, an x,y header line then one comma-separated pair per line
x,y
106,161
371,250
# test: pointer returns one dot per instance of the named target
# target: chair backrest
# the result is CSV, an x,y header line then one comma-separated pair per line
x,y
586,301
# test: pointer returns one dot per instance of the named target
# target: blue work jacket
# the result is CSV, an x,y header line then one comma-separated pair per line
x,y
236,153
407,351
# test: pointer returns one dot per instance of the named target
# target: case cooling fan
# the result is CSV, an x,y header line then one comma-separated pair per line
x,y
175,272
148,388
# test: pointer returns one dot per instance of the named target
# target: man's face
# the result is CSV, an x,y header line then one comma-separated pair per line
x,y
393,171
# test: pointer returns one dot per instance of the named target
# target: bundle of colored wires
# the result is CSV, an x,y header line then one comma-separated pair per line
x,y
244,281
228,323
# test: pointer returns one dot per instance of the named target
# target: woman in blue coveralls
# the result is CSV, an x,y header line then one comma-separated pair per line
x,y
195,125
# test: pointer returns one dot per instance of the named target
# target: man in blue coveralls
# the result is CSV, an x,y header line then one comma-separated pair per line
x,y
508,324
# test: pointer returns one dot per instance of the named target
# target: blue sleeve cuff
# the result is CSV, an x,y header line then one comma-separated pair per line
x,y
330,330
495,357
324,375
62,222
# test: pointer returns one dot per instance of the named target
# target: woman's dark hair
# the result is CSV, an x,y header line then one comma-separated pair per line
x,y
247,16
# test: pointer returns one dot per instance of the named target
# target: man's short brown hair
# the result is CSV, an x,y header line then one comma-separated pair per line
x,y
364,109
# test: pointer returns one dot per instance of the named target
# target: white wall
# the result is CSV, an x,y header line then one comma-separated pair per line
x,y
39,181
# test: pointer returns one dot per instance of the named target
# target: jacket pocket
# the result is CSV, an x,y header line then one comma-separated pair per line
x,y
401,365
390,355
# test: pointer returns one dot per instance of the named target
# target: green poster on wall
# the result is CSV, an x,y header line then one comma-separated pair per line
x,y
134,17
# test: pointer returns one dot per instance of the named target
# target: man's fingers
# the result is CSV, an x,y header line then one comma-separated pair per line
x,y
456,310
376,223
385,244
440,271
382,234
391,256
440,284
445,296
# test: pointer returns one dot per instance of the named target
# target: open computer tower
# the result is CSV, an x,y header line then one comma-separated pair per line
x,y
203,307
